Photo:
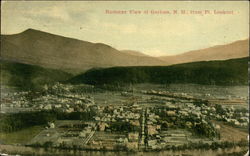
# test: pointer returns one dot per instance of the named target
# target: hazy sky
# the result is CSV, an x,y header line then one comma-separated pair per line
x,y
153,34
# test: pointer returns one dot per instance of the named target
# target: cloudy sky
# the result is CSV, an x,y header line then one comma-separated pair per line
x,y
153,34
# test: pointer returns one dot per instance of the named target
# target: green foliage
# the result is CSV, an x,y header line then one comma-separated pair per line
x,y
219,109
26,76
120,148
229,72
86,116
213,145
18,121
122,127
48,144
205,129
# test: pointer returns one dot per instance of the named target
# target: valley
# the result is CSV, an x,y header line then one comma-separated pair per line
x,y
71,97
141,117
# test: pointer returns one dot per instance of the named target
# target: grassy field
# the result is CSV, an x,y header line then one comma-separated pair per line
x,y
20,137
231,134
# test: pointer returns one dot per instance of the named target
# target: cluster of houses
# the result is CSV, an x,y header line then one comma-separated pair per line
x,y
161,119
15,100
110,115
234,116
62,102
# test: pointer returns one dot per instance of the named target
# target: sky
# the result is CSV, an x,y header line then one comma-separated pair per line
x,y
152,34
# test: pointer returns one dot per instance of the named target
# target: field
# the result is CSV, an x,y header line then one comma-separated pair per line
x,y
20,137
232,134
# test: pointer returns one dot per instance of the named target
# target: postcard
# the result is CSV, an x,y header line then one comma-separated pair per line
x,y
124,78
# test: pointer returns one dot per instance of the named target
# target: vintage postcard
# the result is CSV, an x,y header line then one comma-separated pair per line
x,y
118,78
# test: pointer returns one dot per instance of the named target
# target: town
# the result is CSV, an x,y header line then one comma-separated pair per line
x,y
140,120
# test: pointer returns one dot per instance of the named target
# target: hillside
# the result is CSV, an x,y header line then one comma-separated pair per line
x,y
236,49
229,72
26,76
71,55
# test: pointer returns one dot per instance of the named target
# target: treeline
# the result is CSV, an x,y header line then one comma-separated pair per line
x,y
123,127
229,72
18,121
207,146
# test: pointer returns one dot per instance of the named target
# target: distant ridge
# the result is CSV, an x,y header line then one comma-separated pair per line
x,y
236,49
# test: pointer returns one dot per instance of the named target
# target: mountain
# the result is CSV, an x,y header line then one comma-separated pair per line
x,y
236,49
227,72
75,56
67,54
25,76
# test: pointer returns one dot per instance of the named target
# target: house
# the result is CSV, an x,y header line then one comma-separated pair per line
x,y
102,126
217,127
69,110
51,125
123,140
158,127
189,124
135,123
152,143
152,129
170,113
97,118
48,107
184,113
133,136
